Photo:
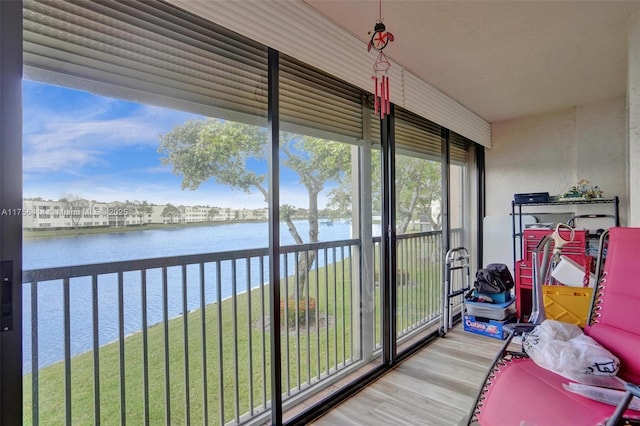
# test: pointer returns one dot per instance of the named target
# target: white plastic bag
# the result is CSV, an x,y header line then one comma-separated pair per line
x,y
564,349
608,396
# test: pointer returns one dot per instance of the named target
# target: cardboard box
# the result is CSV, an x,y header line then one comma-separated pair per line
x,y
486,327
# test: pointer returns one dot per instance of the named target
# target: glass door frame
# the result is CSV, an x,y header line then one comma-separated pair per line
x,y
11,212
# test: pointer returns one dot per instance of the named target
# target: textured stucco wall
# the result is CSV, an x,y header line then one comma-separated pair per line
x,y
551,152
633,117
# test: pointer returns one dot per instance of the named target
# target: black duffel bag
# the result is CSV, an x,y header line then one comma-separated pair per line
x,y
494,278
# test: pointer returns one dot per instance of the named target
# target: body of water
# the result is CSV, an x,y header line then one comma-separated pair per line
x,y
143,244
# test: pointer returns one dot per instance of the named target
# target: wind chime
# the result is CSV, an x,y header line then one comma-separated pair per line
x,y
380,38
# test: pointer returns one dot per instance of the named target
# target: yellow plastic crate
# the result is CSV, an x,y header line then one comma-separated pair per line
x,y
568,304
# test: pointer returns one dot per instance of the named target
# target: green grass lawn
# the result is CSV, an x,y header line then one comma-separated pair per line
x,y
241,346
328,345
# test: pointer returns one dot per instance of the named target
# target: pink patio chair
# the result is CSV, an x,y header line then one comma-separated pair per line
x,y
519,392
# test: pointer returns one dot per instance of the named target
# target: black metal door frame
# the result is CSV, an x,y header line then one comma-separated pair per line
x,y
11,212
388,288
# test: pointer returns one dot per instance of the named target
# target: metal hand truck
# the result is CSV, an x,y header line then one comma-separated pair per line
x,y
456,259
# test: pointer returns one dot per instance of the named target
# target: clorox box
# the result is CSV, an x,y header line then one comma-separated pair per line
x,y
486,326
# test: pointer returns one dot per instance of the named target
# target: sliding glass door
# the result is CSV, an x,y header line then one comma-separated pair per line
x,y
159,191
418,226
146,243
11,212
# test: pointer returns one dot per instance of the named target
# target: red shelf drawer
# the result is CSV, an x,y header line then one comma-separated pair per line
x,y
524,274
524,281
575,249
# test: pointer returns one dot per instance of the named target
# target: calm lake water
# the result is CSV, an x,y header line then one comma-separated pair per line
x,y
144,244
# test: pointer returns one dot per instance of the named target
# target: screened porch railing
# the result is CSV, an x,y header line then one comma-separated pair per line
x,y
185,339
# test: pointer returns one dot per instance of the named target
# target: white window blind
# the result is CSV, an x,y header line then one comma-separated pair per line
x,y
147,52
417,136
311,100
458,148
298,30
155,53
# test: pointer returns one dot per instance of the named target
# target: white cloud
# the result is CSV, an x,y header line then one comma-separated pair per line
x,y
71,139
157,193
66,139
107,190
158,170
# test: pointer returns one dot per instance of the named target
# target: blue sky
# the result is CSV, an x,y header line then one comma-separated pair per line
x,y
105,149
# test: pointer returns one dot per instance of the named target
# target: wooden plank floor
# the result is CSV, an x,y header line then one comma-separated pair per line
x,y
436,386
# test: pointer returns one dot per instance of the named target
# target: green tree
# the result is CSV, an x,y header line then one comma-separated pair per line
x,y
124,210
142,209
418,191
213,213
75,207
171,212
117,211
202,149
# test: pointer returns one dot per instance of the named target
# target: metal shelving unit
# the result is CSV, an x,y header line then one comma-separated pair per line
x,y
523,268
516,211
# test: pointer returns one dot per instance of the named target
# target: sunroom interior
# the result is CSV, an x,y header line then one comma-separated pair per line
x,y
350,204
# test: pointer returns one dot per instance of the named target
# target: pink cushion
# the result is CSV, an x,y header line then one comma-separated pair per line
x,y
621,286
617,327
624,344
524,393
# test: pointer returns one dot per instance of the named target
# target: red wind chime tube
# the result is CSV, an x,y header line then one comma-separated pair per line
x,y
386,85
376,104
383,102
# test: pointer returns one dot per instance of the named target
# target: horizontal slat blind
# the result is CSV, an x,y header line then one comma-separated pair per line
x,y
458,148
295,28
312,102
375,129
417,135
429,102
151,51
374,121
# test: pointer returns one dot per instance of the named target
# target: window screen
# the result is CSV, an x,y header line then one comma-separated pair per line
x,y
417,135
146,51
316,101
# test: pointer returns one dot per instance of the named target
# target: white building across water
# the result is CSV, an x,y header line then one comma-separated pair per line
x,y
79,213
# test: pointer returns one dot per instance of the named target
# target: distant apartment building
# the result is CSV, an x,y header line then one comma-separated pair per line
x,y
39,214
198,214
226,214
168,214
254,214
156,215
191,214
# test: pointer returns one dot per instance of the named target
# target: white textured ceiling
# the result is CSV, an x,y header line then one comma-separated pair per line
x,y
503,59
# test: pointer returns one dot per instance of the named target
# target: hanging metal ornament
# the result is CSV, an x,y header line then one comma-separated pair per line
x,y
380,38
